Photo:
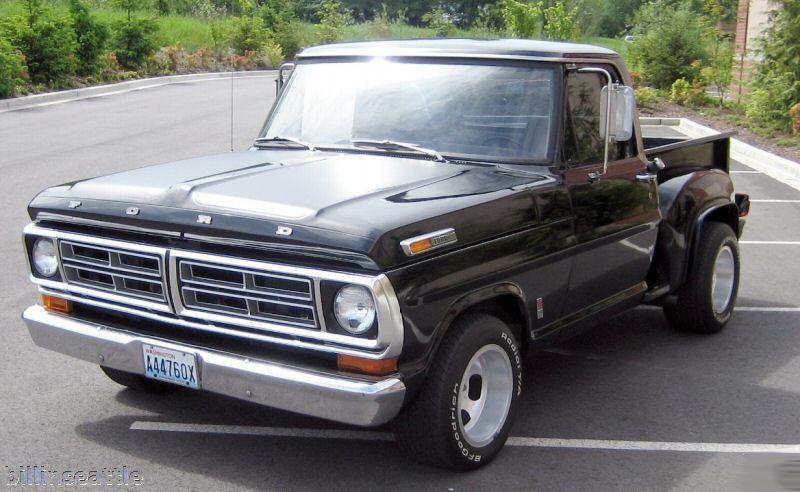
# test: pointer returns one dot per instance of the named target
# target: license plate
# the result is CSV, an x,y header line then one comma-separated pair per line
x,y
172,366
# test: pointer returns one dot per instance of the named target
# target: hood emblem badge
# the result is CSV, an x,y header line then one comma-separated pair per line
x,y
204,219
284,231
132,211
74,204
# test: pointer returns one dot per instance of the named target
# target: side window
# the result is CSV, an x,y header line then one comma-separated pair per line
x,y
583,141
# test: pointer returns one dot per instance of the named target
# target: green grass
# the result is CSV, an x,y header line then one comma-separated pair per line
x,y
190,33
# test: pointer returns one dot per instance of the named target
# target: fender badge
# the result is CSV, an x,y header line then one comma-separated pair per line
x,y
132,211
74,204
284,231
204,219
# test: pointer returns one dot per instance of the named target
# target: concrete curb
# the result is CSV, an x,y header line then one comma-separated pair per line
x,y
784,170
120,87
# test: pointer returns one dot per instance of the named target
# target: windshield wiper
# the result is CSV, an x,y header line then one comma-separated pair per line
x,y
392,145
279,138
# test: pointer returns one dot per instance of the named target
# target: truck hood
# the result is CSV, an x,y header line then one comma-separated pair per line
x,y
361,203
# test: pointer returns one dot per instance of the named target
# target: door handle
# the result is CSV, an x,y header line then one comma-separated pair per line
x,y
646,177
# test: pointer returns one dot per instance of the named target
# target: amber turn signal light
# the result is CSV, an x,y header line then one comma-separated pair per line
x,y
56,304
375,367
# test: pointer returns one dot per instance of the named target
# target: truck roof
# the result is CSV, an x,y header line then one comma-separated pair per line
x,y
467,48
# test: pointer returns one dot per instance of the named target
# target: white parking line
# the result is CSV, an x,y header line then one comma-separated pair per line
x,y
763,309
745,172
756,200
769,309
534,442
785,243
694,447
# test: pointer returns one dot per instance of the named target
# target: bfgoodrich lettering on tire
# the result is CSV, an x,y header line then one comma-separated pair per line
x,y
463,414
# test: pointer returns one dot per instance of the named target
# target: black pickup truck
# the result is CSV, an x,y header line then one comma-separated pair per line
x,y
414,218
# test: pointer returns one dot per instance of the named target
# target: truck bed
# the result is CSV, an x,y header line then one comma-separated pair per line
x,y
682,155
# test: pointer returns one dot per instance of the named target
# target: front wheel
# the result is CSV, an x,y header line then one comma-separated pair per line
x,y
705,303
462,416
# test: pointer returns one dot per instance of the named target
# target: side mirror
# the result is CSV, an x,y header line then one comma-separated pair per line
x,y
284,72
623,104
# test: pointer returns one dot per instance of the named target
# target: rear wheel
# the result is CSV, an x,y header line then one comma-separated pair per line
x,y
136,381
463,414
705,303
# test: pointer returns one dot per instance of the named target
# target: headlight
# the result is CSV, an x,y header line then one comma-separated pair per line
x,y
44,257
354,309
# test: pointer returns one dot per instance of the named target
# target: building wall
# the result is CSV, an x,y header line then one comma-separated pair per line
x,y
753,19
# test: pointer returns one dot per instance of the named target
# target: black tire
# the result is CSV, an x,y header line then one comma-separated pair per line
x,y
137,382
694,311
429,430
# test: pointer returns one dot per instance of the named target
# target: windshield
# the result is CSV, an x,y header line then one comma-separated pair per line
x,y
492,112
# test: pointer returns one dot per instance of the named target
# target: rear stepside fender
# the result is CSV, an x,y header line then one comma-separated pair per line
x,y
688,202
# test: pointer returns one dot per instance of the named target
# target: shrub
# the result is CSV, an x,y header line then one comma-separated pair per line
x,y
679,92
697,94
274,12
134,41
91,37
220,37
637,79
794,113
766,106
288,36
46,42
667,40
12,69
272,53
440,22
248,61
560,23
777,76
332,21
247,34
523,20
646,97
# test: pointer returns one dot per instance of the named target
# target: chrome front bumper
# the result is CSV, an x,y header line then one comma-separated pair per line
x,y
339,398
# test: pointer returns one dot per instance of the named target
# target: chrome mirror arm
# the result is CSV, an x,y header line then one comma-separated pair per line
x,y
279,82
607,137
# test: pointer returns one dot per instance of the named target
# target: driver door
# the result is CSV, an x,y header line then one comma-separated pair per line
x,y
616,215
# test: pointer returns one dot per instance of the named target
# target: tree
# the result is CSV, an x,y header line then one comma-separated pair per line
x,y
91,37
12,69
523,20
332,21
560,22
133,38
777,77
668,40
47,43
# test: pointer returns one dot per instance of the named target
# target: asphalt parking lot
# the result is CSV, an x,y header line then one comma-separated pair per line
x,y
630,405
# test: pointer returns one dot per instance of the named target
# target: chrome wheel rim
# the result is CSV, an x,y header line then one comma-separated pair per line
x,y
723,279
484,396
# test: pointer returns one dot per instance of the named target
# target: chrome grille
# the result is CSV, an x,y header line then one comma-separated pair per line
x,y
115,270
255,295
